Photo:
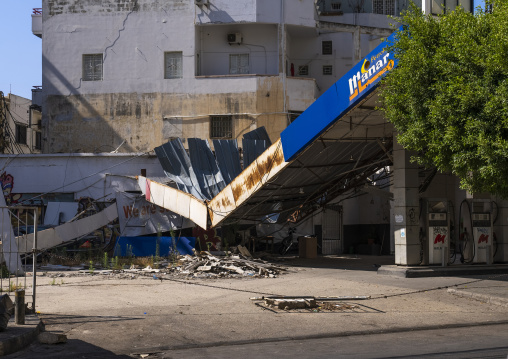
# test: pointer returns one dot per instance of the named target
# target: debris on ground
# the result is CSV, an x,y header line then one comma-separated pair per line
x,y
310,304
233,264
236,263
51,338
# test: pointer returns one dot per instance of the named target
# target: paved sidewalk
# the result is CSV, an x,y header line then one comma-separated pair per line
x,y
105,316
17,337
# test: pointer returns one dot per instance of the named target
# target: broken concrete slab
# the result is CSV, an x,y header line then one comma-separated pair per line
x,y
51,338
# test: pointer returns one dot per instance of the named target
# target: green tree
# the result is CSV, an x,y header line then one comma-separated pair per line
x,y
448,96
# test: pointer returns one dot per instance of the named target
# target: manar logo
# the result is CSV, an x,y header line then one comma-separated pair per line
x,y
483,238
439,238
368,74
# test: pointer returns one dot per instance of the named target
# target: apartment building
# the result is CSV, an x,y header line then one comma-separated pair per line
x,y
131,74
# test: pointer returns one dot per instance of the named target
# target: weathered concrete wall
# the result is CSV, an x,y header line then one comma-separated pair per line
x,y
101,122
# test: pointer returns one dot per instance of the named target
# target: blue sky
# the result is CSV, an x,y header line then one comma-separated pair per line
x,y
20,63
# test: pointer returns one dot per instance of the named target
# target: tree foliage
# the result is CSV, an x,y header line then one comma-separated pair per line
x,y
448,96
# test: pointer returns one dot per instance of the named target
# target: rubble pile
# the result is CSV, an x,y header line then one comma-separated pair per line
x,y
230,265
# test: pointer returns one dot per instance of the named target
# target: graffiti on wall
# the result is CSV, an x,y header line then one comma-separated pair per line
x,y
207,239
7,182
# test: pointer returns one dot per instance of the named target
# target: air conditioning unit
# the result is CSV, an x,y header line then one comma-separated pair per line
x,y
201,2
235,38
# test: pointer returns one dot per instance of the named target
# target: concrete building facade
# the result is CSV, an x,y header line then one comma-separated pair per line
x,y
140,72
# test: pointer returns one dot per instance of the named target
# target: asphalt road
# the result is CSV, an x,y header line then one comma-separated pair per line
x,y
467,342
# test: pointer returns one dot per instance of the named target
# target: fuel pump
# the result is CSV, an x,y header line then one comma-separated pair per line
x,y
478,246
482,231
438,231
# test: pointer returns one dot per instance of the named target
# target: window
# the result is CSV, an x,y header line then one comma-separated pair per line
x,y
326,47
238,64
336,6
383,7
38,140
21,134
327,70
303,70
172,65
221,127
293,115
92,67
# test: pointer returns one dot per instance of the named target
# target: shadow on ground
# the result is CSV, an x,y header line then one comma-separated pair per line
x,y
72,349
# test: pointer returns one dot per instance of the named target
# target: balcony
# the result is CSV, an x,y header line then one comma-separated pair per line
x,y
37,22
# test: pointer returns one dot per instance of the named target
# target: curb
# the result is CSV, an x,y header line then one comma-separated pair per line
x,y
317,336
479,297
423,272
23,339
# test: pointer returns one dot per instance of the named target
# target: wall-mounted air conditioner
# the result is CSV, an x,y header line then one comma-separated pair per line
x,y
235,38
201,2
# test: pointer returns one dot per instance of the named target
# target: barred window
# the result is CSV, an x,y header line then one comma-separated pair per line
x,y
326,48
336,6
327,70
303,70
172,65
92,67
383,7
221,127
238,64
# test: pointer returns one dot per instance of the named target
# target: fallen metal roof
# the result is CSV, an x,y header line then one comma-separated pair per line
x,y
331,148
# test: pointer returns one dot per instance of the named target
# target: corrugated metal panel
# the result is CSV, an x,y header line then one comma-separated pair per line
x,y
338,100
252,149
258,134
177,166
228,158
205,168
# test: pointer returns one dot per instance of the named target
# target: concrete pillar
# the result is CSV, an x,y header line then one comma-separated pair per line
x,y
406,209
501,231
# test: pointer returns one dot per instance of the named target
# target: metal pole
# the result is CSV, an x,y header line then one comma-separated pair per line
x,y
34,260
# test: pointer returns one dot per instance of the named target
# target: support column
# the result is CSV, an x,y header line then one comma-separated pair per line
x,y
501,231
406,209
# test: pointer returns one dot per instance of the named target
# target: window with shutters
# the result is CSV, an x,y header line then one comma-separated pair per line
x,y
303,70
172,65
92,67
238,64
221,127
21,134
